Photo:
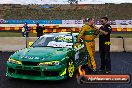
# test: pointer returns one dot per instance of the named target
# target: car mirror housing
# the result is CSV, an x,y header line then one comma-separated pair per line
x,y
30,44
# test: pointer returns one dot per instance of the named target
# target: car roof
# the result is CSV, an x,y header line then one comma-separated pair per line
x,y
60,33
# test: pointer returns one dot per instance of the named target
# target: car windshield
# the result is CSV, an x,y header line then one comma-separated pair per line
x,y
54,41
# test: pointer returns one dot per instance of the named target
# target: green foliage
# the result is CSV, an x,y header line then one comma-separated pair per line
x,y
113,11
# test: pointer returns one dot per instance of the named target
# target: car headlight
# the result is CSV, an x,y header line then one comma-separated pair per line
x,y
52,63
14,61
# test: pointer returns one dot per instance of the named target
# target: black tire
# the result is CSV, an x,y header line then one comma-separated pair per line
x,y
81,80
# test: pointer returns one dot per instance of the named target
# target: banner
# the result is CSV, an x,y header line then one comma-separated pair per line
x,y
72,21
2,21
34,21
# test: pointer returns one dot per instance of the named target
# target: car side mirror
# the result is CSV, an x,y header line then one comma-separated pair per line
x,y
77,45
30,44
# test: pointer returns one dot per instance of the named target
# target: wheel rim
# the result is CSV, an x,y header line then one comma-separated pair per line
x,y
71,68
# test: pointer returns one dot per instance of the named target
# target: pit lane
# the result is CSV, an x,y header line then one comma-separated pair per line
x,y
121,64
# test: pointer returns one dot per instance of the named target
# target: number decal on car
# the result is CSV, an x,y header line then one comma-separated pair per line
x,y
64,38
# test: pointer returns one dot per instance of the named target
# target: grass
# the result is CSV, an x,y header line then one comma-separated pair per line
x,y
122,35
15,34
18,34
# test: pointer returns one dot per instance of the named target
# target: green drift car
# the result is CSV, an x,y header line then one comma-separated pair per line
x,y
53,56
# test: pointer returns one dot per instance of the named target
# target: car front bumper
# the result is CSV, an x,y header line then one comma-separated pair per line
x,y
36,72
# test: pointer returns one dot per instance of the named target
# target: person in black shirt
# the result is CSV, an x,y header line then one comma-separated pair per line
x,y
104,45
39,30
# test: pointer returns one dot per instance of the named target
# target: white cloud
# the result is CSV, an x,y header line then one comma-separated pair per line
x,y
11,1
60,1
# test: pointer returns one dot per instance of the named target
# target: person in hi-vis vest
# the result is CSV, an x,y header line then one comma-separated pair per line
x,y
25,30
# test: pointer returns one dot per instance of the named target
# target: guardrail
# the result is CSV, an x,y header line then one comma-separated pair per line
x,y
17,43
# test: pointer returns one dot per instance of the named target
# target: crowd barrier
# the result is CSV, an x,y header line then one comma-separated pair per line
x,y
48,29
17,43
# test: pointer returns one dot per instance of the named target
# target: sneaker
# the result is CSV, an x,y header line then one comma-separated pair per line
x,y
94,71
87,69
108,72
101,71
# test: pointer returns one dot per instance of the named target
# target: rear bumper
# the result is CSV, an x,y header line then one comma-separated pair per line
x,y
36,72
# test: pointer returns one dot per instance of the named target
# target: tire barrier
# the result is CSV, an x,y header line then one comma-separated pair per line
x,y
56,28
121,29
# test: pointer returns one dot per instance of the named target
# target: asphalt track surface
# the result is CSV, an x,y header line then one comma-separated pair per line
x,y
121,64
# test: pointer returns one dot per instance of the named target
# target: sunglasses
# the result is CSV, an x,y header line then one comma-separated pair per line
x,y
101,21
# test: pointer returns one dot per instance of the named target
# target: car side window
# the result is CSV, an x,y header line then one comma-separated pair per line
x,y
75,38
77,55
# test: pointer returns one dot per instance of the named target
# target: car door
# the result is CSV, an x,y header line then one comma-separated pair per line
x,y
80,52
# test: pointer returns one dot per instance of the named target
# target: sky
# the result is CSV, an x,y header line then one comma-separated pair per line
x,y
61,1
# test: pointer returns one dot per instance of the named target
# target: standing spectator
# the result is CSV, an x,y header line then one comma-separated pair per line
x,y
39,30
104,45
25,30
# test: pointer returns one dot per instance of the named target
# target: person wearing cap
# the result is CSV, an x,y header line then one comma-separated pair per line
x,y
25,30
39,30
104,45
87,34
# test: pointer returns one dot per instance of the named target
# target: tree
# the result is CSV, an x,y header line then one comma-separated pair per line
x,y
73,1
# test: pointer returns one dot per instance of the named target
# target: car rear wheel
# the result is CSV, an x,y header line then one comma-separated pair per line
x,y
70,68
81,80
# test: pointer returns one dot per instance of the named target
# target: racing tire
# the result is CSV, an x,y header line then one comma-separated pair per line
x,y
81,80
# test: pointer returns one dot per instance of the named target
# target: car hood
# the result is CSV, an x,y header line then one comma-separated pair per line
x,y
40,54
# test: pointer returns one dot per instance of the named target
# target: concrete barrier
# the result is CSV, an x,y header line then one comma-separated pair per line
x,y
12,43
128,44
16,43
97,44
116,45
31,39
